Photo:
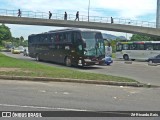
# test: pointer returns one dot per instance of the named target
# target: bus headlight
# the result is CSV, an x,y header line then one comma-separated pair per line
x,y
80,62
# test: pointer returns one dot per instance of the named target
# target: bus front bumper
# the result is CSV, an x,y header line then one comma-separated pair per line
x,y
88,62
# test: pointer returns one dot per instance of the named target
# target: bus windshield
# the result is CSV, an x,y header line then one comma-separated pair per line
x,y
94,43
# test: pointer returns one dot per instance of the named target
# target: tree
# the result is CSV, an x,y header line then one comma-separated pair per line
x,y
25,43
138,37
5,33
21,40
155,38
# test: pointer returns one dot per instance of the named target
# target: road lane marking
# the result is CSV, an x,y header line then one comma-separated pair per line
x,y
65,93
43,91
42,107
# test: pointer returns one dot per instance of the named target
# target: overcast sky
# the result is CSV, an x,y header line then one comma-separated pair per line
x,y
142,10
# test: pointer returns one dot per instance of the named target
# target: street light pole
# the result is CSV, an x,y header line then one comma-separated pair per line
x,y
88,9
126,37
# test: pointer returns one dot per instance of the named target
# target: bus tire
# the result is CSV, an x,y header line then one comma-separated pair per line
x,y
125,57
68,62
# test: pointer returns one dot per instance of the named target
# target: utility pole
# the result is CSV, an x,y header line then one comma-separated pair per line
x,y
88,9
126,37
158,14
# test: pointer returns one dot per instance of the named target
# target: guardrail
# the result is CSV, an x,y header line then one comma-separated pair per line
x,y
44,15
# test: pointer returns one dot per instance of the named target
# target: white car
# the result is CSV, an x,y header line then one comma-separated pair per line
x,y
15,51
21,49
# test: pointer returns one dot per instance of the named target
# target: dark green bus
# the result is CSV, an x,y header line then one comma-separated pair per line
x,y
68,46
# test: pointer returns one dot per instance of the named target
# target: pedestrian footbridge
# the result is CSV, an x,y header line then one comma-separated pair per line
x,y
99,23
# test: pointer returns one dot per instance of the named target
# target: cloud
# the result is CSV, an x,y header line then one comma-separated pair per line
x,y
122,8
127,8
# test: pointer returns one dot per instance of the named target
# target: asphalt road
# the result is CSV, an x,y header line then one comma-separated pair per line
x,y
139,71
52,96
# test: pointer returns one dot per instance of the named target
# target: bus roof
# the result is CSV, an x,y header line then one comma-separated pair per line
x,y
73,29
65,30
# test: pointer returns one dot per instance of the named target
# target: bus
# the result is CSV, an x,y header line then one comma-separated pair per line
x,y
140,50
68,46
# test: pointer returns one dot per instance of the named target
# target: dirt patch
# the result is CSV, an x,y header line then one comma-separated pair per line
x,y
2,69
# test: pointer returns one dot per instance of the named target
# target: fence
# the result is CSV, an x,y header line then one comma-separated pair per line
x,y
44,15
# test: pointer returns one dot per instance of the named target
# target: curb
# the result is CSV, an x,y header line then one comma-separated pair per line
x,y
152,64
47,79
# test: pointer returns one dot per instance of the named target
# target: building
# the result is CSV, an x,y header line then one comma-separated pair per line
x,y
158,14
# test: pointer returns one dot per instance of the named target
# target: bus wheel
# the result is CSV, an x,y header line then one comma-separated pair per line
x,y
68,62
126,57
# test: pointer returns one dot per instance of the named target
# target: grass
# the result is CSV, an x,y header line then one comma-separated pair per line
x,y
1,48
15,67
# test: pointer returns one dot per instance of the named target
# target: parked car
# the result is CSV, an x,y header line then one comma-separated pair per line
x,y
155,59
108,60
25,52
15,51
21,49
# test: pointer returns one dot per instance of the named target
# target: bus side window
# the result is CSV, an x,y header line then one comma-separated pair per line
x,y
125,47
69,37
49,38
64,37
40,39
36,39
45,38
56,38
52,38
149,47
155,47
140,46
61,37
76,37
119,47
133,47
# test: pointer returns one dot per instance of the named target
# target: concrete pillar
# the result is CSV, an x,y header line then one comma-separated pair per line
x,y
158,14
